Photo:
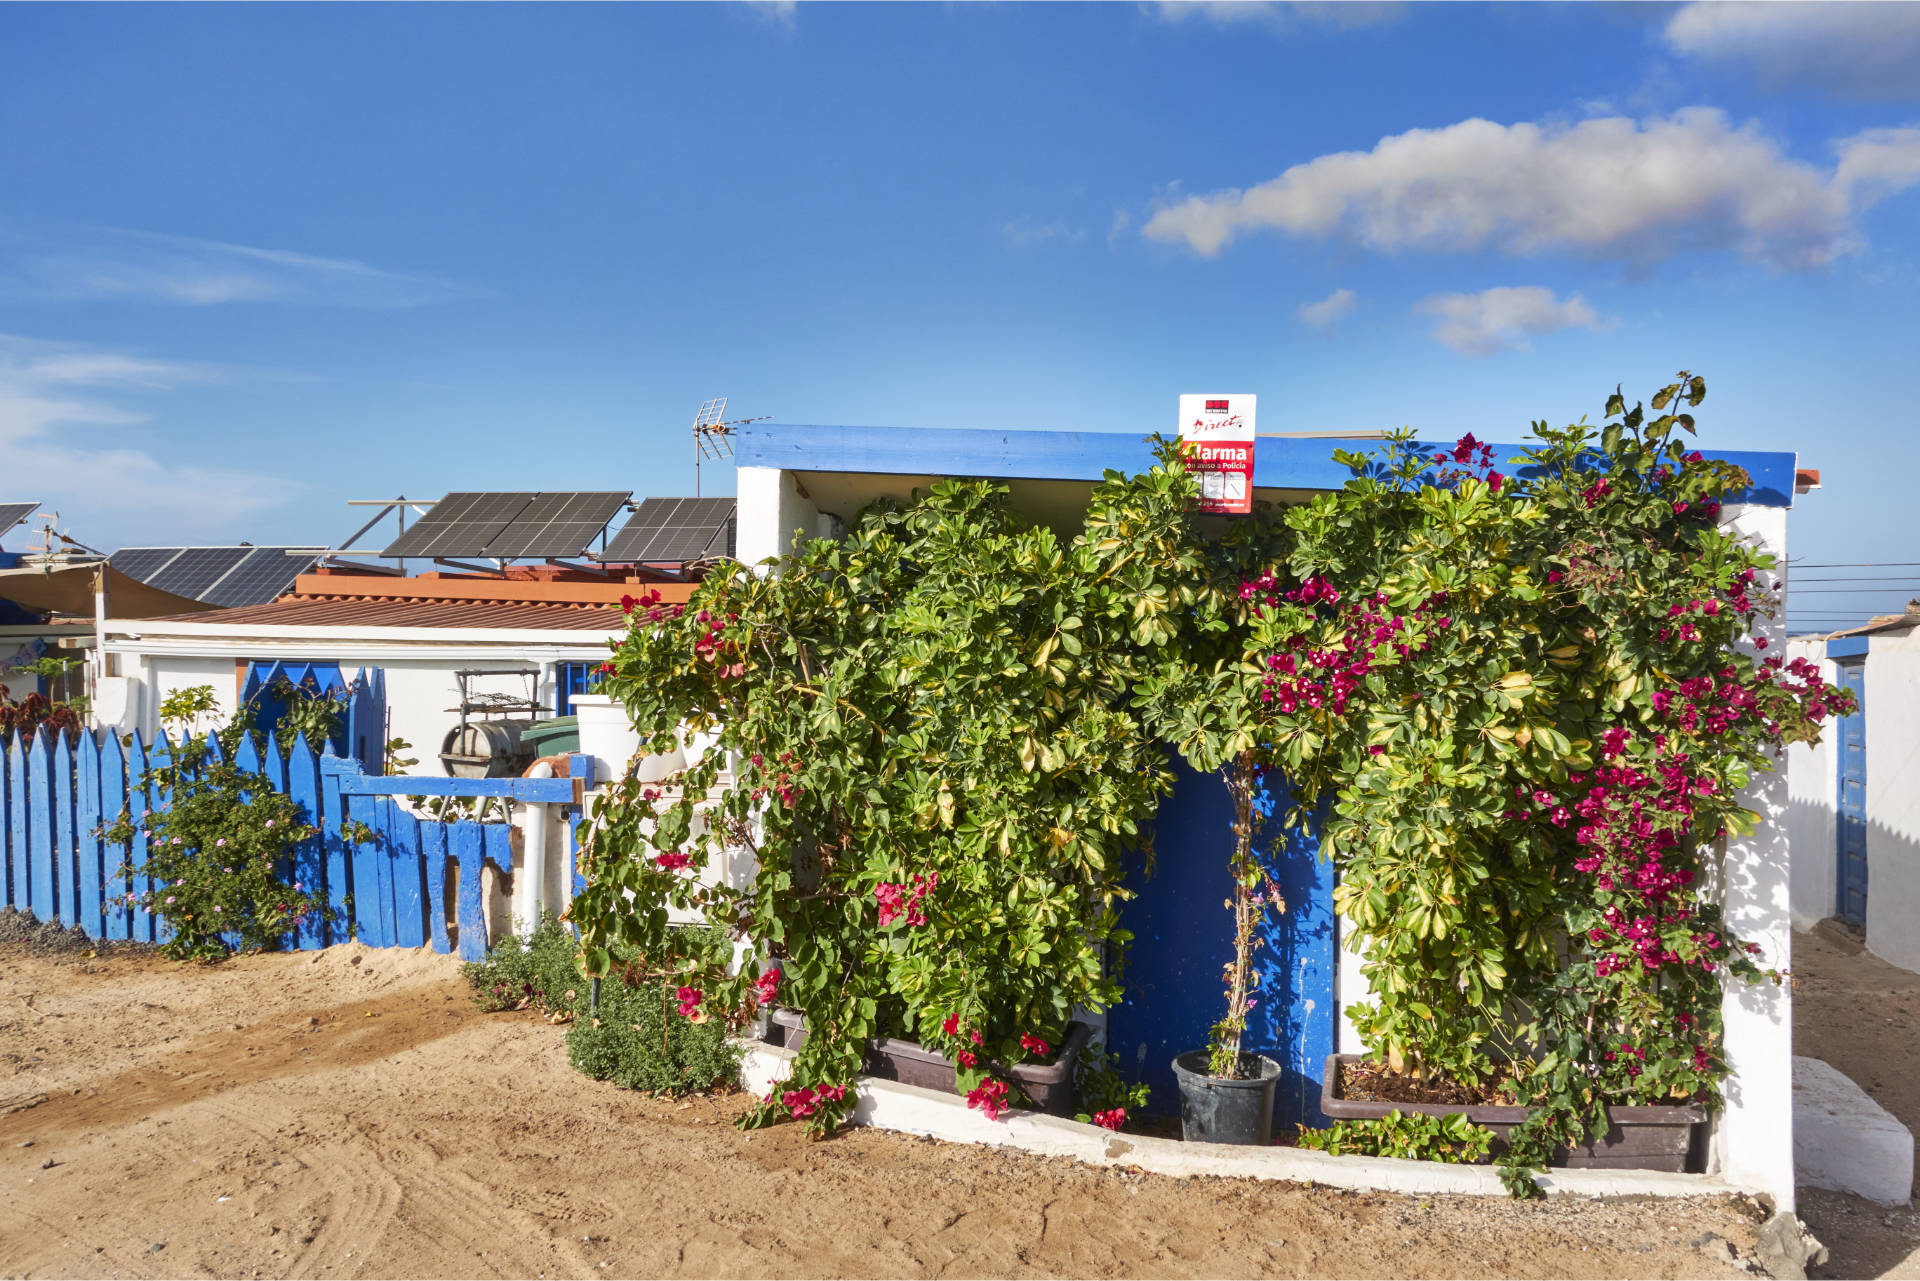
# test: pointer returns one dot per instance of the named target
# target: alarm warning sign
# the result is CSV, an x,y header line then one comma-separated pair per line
x,y
1217,431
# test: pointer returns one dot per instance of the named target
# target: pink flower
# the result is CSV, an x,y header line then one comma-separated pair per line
x,y
689,998
269,822
1034,1045
1111,1119
990,1097
673,861
966,1058
767,984
950,1025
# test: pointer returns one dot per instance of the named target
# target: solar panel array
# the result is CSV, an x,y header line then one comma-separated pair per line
x,y
225,576
675,530
510,526
12,514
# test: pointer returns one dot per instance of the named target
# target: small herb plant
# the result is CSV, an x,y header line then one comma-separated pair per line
x,y
1414,1137
1105,1094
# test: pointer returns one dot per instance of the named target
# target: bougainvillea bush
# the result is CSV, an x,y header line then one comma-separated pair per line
x,y
941,768
1533,701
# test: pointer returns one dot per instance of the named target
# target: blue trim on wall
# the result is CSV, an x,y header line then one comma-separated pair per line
x,y
1847,647
1284,463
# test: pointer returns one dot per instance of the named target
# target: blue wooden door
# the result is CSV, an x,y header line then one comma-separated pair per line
x,y
1183,938
1850,902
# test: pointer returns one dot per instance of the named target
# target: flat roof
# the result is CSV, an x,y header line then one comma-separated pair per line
x,y
1282,465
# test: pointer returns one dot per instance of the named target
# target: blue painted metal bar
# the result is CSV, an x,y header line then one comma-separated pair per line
x,y
552,791
160,800
409,875
113,803
66,867
1279,463
433,848
86,836
20,806
42,894
139,807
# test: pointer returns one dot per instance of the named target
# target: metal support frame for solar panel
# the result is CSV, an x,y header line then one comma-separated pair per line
x,y
674,530
557,525
12,514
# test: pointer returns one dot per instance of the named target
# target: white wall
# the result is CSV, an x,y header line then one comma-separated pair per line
x,y
1812,812
1893,798
1753,1137
771,509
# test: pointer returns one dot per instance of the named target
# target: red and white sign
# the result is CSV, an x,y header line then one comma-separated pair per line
x,y
1218,432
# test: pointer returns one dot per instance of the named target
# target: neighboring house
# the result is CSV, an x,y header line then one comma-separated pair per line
x,y
1854,814
798,481
415,633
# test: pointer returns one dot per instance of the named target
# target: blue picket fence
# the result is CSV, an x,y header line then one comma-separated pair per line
x,y
417,882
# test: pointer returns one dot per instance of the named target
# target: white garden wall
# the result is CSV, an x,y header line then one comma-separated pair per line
x,y
1812,816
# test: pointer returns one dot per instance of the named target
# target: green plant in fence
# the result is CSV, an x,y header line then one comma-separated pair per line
x,y
1413,1136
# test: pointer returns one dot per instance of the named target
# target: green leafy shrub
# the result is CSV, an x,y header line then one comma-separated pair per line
x,y
1415,1137
636,1037
1104,1092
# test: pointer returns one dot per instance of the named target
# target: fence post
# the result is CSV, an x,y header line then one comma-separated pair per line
x,y
42,892
17,821
139,808
339,878
433,847
309,860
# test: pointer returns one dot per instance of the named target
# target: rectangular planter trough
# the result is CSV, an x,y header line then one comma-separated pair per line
x,y
1642,1138
1049,1085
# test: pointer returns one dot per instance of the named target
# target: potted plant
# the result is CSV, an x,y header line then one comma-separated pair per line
x,y
1226,1096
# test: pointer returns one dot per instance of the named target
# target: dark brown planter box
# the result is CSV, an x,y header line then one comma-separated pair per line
x,y
1642,1138
1049,1085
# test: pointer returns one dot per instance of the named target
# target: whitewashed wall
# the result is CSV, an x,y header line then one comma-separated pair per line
x,y
1812,812
1893,798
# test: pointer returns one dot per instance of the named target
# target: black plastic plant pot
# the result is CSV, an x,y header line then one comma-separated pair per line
x,y
1214,1109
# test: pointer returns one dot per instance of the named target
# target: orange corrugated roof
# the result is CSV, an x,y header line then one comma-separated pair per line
x,y
299,610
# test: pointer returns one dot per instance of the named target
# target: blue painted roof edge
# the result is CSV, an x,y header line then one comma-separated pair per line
x,y
1278,463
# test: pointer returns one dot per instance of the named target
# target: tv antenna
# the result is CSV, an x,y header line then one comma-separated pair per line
x,y
711,432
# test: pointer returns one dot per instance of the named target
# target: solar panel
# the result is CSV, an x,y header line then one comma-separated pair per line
x,y
196,569
264,575
675,530
563,524
12,514
143,562
461,524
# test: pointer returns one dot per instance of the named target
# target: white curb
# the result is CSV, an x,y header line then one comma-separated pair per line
x,y
1845,1141
889,1105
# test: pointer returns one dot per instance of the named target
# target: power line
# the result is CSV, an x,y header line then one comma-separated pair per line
x,y
1865,564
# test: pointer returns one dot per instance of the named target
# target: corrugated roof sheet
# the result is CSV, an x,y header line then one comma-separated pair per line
x,y
369,611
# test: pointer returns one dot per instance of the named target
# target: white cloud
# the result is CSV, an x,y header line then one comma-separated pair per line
x,y
58,401
1877,163
1028,231
1504,318
1608,188
1860,50
1334,307
1284,14
137,266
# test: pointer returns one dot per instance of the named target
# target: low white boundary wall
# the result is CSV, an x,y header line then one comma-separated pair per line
x,y
889,1105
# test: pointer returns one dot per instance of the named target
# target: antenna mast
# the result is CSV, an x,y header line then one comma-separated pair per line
x,y
711,433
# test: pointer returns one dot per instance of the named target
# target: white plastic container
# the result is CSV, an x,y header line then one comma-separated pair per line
x,y
606,735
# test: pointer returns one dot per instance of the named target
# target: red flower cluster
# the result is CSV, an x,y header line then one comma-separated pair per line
x,y
805,1101
672,861
653,603
990,1096
1470,459
783,780
899,900
689,998
1034,1045
1111,1119
767,984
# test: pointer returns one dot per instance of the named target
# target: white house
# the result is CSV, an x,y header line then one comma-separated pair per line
x,y
549,622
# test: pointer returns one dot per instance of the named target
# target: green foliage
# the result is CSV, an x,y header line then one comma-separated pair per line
x,y
217,848
1100,1086
307,712
1415,1137
635,1038
182,711
942,769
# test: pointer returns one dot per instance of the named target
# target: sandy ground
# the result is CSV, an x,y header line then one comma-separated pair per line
x,y
350,1114
1860,1014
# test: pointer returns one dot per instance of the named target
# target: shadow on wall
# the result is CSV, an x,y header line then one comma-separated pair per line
x,y
1893,895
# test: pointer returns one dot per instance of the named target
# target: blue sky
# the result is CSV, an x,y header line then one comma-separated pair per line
x,y
257,260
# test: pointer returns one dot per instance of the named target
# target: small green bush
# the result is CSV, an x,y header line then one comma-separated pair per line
x,y
1416,1137
636,1038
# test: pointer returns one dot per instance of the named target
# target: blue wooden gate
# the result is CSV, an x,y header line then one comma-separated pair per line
x,y
1850,739
416,882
